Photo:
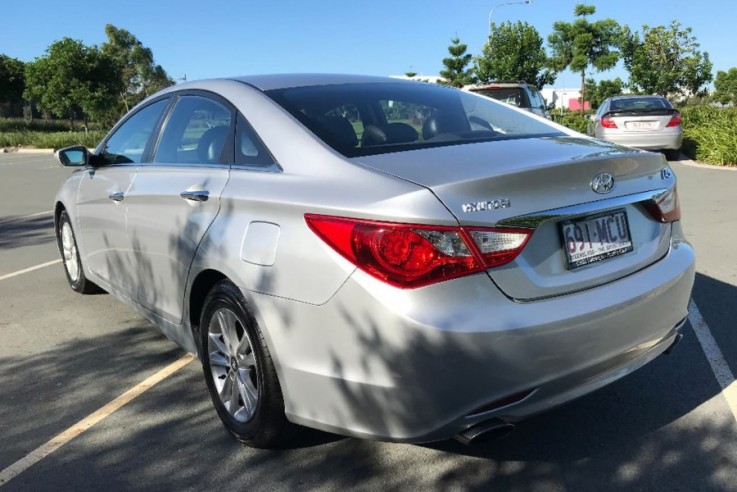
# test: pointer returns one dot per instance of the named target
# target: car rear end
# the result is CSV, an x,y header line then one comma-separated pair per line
x,y
559,267
649,123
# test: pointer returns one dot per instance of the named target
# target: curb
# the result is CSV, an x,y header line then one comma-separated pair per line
x,y
12,150
692,163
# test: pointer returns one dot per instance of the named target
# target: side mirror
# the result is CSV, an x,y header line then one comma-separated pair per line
x,y
550,106
74,156
589,117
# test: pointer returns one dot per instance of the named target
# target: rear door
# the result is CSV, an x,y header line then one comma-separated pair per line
x,y
175,198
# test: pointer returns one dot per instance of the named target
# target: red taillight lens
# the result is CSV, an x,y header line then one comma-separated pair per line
x,y
675,120
666,207
608,122
408,255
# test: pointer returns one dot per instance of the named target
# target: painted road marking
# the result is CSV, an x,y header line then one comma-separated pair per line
x,y
49,447
29,269
718,364
36,215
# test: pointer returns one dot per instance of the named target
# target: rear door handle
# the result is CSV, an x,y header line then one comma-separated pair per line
x,y
117,197
197,196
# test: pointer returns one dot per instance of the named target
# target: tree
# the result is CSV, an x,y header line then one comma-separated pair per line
x,y
604,89
581,44
514,52
141,76
666,61
12,82
726,86
456,72
72,79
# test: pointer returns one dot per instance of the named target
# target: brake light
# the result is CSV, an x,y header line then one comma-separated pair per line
x,y
675,120
665,208
410,255
608,122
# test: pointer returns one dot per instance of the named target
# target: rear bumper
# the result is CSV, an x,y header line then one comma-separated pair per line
x,y
414,365
661,140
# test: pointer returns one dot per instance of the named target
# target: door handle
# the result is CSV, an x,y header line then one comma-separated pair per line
x,y
117,197
197,196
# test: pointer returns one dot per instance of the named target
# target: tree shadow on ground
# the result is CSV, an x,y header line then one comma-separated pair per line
x,y
17,232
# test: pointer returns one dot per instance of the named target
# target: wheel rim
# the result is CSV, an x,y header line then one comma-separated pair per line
x,y
69,250
233,365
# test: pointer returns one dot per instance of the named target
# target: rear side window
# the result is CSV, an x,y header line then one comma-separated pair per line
x,y
196,132
249,150
129,141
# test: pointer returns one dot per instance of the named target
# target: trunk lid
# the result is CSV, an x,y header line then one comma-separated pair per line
x,y
541,183
637,121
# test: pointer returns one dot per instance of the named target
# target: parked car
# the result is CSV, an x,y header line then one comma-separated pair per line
x,y
518,94
644,122
385,259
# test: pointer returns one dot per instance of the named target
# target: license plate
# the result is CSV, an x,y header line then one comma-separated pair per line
x,y
642,125
596,238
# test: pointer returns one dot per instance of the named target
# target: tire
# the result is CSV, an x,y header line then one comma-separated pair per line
x,y
67,242
239,372
672,154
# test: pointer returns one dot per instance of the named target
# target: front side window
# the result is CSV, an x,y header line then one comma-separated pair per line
x,y
196,132
397,116
129,141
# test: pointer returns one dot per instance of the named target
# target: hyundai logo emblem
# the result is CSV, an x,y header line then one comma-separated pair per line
x,y
602,183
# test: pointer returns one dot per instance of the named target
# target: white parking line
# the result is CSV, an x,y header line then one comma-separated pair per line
x,y
49,447
29,269
718,364
37,214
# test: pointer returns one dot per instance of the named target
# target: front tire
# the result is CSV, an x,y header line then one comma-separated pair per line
x,y
239,372
73,269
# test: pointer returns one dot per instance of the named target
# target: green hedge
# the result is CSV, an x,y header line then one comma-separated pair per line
x,y
572,119
50,140
710,134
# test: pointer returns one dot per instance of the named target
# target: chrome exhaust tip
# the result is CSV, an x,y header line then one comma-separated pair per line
x,y
490,430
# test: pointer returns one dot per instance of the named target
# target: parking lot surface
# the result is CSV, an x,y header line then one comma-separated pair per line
x,y
668,426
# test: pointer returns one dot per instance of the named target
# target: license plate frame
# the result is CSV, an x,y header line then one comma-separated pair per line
x,y
591,229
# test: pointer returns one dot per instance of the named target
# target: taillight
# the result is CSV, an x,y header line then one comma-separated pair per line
x,y
665,208
608,122
410,255
675,120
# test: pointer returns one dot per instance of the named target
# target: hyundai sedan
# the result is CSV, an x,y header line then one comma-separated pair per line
x,y
385,259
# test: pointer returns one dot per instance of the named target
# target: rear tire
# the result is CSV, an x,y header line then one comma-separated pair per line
x,y
239,371
672,155
73,268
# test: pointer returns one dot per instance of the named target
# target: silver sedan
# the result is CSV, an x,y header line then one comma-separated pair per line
x,y
378,258
643,122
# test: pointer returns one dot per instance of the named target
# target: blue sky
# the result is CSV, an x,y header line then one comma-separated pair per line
x,y
215,38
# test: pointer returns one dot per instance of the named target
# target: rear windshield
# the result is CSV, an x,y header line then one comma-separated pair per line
x,y
639,104
510,95
374,118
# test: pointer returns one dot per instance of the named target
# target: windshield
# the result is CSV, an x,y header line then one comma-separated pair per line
x,y
374,118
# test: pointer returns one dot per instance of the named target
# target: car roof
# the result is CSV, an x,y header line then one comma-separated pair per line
x,y
287,80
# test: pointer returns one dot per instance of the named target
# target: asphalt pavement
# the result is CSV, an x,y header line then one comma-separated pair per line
x,y
668,426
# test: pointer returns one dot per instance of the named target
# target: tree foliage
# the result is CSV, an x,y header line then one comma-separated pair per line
x,y
514,51
726,86
666,61
140,75
597,93
582,44
12,81
456,72
72,78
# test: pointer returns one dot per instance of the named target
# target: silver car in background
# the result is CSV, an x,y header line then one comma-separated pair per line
x,y
643,122
384,259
